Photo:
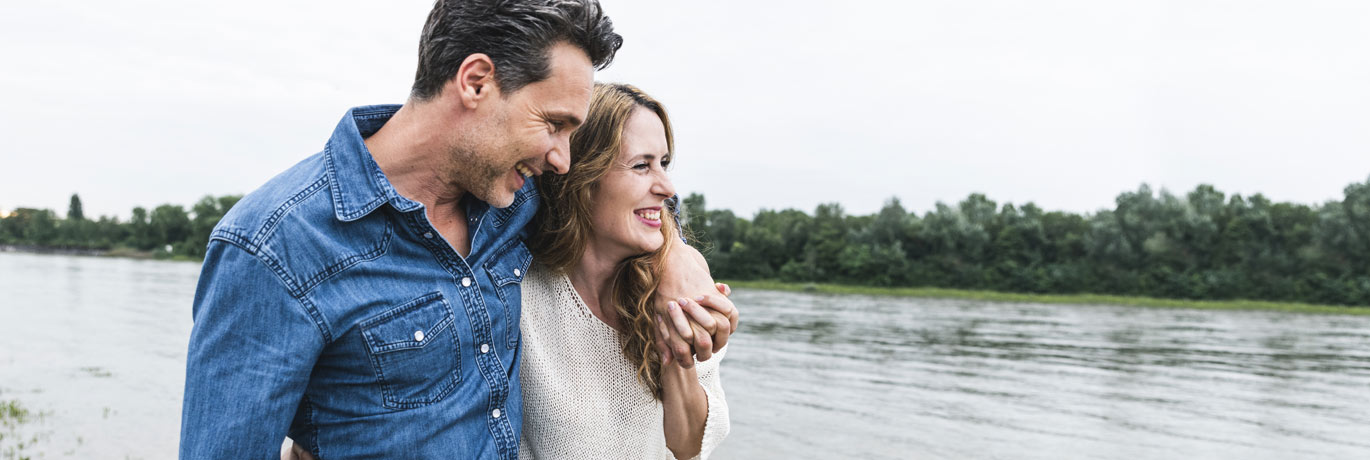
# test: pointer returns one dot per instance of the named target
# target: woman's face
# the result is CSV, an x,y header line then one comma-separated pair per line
x,y
629,200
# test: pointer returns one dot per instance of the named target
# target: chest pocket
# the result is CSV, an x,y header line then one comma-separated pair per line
x,y
507,270
414,350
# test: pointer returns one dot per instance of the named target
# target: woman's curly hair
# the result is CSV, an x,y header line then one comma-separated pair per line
x,y
564,228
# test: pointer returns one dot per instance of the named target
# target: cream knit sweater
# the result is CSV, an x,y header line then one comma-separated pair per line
x,y
581,397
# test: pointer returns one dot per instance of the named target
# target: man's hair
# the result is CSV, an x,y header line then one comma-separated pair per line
x,y
517,35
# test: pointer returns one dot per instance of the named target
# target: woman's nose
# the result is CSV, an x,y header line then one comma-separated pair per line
x,y
663,186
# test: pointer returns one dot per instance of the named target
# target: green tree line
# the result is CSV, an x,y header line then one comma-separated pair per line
x,y
164,231
1203,245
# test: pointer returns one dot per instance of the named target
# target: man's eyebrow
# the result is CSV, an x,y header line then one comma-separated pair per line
x,y
567,117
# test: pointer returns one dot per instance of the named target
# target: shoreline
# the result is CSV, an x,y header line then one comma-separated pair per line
x,y
1059,299
842,289
125,253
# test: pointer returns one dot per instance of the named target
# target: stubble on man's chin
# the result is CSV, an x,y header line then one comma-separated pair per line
x,y
480,176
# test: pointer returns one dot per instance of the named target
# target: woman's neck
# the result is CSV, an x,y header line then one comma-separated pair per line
x,y
591,276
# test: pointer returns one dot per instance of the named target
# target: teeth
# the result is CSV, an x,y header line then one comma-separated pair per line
x,y
650,215
523,170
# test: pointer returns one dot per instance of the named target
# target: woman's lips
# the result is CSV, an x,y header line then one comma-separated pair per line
x,y
650,216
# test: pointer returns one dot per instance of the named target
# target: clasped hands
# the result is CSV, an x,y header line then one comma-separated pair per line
x,y
694,315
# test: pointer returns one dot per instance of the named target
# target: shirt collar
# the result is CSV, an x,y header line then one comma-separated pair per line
x,y
357,183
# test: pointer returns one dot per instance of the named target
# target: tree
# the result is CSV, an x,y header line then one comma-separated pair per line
x,y
169,225
74,209
140,231
208,211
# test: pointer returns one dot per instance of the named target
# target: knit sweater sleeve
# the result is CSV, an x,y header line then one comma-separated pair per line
x,y
717,424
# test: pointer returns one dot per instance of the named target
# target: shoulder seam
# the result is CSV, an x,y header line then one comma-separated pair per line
x,y
270,225
290,287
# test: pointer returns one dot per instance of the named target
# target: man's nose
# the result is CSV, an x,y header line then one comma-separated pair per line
x,y
560,157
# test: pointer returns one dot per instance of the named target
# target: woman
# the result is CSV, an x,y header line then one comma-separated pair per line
x,y
594,383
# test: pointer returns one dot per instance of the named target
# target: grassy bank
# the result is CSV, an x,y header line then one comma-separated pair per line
x,y
1079,299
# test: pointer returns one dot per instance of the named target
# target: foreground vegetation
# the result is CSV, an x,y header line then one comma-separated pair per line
x,y
13,441
1075,299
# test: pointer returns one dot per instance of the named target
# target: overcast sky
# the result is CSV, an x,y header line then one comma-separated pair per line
x,y
776,104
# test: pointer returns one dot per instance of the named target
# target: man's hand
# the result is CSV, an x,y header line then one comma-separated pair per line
x,y
699,316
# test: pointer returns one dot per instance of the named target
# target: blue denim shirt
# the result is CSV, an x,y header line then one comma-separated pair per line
x,y
331,310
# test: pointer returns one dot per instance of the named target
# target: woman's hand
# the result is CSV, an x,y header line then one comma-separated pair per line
x,y
295,452
707,319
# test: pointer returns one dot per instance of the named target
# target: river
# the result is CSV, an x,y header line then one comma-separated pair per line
x,y
95,349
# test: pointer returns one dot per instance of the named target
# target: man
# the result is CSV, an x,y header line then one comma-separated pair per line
x,y
365,302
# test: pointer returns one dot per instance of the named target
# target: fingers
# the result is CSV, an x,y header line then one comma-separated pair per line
x,y
699,314
722,305
682,337
681,322
720,339
299,453
703,344
724,289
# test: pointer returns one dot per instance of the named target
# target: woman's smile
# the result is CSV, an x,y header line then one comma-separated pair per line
x,y
650,216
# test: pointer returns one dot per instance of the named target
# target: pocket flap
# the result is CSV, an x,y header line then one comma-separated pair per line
x,y
408,326
510,264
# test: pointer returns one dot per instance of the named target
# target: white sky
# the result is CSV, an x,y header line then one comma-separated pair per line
x,y
776,104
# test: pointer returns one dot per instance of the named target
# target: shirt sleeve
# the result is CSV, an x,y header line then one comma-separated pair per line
x,y
252,349
717,425
673,205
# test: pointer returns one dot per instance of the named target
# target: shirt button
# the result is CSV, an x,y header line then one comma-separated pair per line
x,y
517,272
484,348
466,282
428,235
495,413
418,336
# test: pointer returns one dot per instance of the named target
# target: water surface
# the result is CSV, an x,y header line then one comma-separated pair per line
x,y
98,346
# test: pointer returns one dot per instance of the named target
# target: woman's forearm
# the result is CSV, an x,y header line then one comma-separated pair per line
x,y
686,409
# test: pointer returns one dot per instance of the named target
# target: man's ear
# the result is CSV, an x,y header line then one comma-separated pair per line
x,y
474,81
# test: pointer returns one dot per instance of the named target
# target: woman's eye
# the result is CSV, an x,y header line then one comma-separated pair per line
x,y
641,166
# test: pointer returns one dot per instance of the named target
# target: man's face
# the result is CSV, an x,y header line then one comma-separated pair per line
x,y
526,133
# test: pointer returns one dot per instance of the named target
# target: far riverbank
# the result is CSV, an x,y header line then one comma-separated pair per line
x,y
1071,299
917,292
127,253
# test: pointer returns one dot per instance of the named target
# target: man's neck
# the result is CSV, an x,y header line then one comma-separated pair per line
x,y
410,150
